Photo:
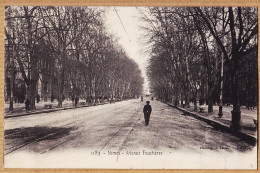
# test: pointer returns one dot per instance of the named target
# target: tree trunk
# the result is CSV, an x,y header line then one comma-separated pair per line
x,y
103,98
176,98
187,95
195,101
210,101
220,113
187,99
61,87
34,80
236,113
11,107
32,94
210,105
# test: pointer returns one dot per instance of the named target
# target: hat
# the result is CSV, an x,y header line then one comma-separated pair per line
x,y
147,102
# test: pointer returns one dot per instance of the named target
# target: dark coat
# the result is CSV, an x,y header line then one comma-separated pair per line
x,y
27,102
147,109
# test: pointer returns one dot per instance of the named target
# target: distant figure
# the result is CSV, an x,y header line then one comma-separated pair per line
x,y
52,97
250,104
147,112
152,98
72,98
92,99
87,100
38,98
142,98
27,104
76,101
22,98
112,100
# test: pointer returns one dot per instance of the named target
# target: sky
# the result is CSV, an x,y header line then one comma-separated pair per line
x,y
129,39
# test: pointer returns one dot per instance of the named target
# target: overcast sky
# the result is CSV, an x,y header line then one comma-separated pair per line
x,y
129,40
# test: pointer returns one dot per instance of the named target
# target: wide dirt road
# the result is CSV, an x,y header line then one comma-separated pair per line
x,y
114,129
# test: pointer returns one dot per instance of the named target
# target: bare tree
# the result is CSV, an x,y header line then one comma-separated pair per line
x,y
241,26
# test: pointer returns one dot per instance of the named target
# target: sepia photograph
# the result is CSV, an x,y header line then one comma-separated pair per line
x,y
131,87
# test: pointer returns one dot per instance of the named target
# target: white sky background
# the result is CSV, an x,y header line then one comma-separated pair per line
x,y
130,41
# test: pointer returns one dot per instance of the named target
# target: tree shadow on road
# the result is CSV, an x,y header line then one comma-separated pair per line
x,y
15,138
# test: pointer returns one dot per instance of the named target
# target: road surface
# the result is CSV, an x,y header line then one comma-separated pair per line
x,y
113,129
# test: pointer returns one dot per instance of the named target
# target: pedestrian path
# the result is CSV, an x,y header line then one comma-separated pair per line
x,y
248,126
19,108
247,117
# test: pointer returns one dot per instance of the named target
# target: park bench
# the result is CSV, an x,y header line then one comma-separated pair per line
x,y
117,99
250,107
112,101
201,110
48,106
82,103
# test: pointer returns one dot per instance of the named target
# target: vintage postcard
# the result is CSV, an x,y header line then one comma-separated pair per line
x,y
125,87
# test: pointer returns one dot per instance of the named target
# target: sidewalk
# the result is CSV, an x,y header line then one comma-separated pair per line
x,y
248,128
19,108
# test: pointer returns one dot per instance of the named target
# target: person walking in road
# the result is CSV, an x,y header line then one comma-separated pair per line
x,y
27,104
147,112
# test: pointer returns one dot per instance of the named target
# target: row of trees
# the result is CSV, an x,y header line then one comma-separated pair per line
x,y
70,48
195,50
